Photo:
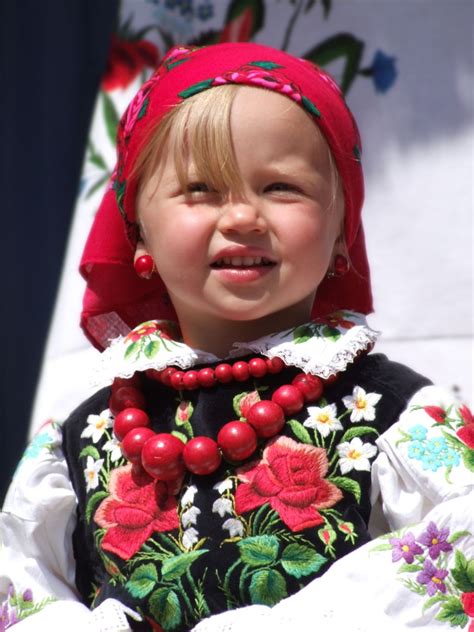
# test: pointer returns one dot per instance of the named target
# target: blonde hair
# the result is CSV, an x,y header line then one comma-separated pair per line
x,y
199,128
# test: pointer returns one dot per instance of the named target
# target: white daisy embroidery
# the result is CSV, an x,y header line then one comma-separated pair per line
x,y
362,404
97,424
355,455
188,496
91,473
189,516
324,419
222,506
113,446
234,526
190,537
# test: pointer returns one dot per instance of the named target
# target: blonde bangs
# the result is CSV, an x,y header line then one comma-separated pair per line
x,y
196,131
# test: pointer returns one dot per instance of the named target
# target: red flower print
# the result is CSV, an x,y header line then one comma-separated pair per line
x,y
290,477
436,412
126,60
466,434
144,330
137,506
467,600
466,414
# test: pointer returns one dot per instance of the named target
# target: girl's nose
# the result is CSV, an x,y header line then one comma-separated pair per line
x,y
242,216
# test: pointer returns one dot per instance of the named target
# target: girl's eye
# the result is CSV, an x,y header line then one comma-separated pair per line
x,y
198,187
281,186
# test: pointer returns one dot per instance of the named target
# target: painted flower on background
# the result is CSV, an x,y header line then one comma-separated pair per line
x,y
97,425
432,577
355,455
324,419
405,547
290,478
91,472
137,506
127,59
383,71
436,540
361,404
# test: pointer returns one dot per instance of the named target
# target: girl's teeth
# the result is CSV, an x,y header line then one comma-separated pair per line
x,y
242,261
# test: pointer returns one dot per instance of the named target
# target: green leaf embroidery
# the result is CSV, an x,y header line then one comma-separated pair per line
x,y
452,611
174,567
142,581
299,431
268,65
111,117
196,88
152,348
259,550
267,587
179,435
410,568
468,459
432,601
302,334
463,572
92,502
131,349
357,431
458,535
347,485
382,547
164,606
299,560
89,450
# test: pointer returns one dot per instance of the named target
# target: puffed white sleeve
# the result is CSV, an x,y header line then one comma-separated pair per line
x,y
37,589
420,576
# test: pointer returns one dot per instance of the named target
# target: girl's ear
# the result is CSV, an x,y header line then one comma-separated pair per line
x,y
143,262
140,250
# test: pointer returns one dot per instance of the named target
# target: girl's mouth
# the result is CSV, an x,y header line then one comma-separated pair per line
x,y
242,262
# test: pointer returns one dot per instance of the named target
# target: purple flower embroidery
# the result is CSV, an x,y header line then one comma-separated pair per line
x,y
433,578
405,547
436,540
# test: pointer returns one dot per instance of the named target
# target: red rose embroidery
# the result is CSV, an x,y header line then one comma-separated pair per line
x,y
436,412
126,60
136,507
467,600
290,477
466,434
466,414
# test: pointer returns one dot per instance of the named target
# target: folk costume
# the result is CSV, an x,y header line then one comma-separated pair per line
x,y
285,535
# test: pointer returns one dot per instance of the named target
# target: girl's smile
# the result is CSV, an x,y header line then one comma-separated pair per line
x,y
231,259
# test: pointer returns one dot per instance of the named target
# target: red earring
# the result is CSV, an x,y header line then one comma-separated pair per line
x,y
340,267
144,266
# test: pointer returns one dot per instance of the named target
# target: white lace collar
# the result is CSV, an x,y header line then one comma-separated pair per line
x,y
322,347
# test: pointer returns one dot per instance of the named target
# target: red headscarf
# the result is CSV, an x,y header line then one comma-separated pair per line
x,y
116,299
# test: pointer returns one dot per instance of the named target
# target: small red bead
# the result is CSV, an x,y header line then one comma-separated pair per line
x,y
223,373
201,455
258,367
191,380
133,443
126,397
166,375
341,265
162,457
237,440
206,377
275,365
128,419
126,381
177,380
310,385
289,398
266,417
240,371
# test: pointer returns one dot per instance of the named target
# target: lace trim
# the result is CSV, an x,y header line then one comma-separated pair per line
x,y
322,347
110,616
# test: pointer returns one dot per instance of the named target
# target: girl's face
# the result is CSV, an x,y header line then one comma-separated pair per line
x,y
256,256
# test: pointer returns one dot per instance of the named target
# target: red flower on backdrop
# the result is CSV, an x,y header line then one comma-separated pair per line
x,y
290,477
436,412
239,29
137,506
127,58
467,600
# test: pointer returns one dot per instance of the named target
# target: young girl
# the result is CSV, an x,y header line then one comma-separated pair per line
x,y
225,477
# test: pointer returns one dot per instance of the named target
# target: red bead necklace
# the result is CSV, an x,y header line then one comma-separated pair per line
x,y
165,457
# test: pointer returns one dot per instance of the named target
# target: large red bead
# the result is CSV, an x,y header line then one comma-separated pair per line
x,y
275,365
128,419
240,371
201,455
166,375
191,380
223,373
177,380
126,397
162,457
310,385
258,367
289,398
266,417
206,377
237,440
133,443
